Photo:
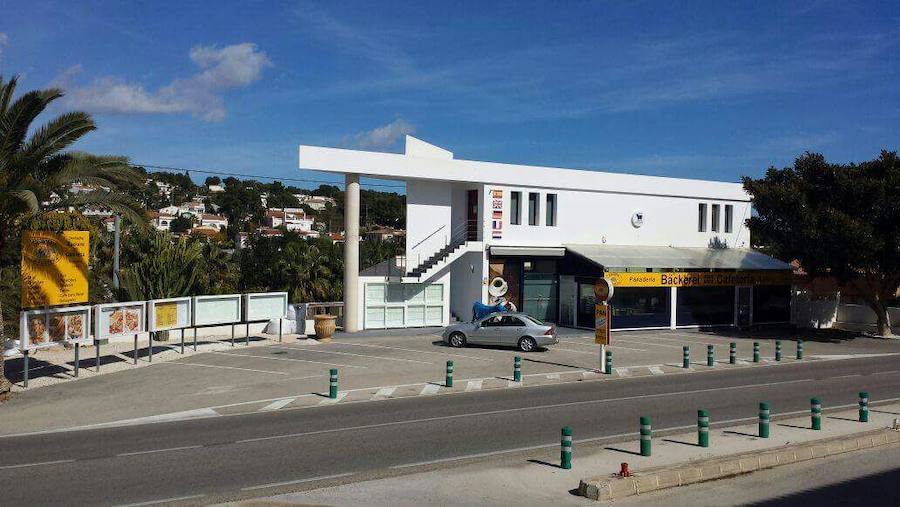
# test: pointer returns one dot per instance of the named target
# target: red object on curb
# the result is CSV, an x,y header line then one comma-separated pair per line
x,y
624,472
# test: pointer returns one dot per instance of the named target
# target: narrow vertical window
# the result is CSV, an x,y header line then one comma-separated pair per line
x,y
715,218
515,208
701,221
551,210
729,215
533,208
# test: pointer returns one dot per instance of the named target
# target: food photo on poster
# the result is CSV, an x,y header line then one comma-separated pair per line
x,y
46,328
119,319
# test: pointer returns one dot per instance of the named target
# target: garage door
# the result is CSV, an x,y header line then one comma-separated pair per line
x,y
394,305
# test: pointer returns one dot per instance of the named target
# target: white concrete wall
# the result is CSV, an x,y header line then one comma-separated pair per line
x,y
428,208
466,278
592,217
862,318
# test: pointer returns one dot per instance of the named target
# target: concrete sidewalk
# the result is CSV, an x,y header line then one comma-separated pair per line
x,y
533,477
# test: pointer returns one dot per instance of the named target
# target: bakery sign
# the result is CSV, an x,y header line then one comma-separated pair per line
x,y
497,214
700,279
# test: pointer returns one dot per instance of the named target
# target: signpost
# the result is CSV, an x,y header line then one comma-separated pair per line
x,y
603,291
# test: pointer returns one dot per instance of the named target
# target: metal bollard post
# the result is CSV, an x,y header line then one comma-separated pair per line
x,y
763,420
150,346
135,349
685,357
863,406
710,356
732,353
755,352
565,452
815,407
799,349
97,355
778,350
517,369
703,428
449,380
182,342
25,368
645,435
608,369
333,384
77,361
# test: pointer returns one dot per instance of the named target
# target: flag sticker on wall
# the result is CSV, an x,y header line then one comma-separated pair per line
x,y
497,215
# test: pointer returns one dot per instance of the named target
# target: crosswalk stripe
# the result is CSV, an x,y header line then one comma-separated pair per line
x,y
513,383
385,391
656,370
622,372
330,401
553,376
473,385
430,389
277,404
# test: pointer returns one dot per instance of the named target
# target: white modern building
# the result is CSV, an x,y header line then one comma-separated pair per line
x,y
677,249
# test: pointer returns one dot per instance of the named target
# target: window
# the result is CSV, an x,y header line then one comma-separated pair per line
x,y
551,210
701,223
729,214
715,218
510,321
515,208
532,208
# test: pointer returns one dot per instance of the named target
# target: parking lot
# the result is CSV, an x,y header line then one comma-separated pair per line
x,y
375,366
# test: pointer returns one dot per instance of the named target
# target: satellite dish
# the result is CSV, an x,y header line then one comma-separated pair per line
x,y
498,287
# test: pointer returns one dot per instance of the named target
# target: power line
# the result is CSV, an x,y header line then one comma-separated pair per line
x,y
259,176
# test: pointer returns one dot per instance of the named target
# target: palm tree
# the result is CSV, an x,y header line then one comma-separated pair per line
x,y
36,172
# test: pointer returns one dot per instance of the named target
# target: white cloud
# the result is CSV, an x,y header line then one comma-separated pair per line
x,y
202,95
380,138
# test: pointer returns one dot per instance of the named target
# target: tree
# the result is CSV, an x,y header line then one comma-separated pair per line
x,y
158,266
239,202
181,223
841,220
212,180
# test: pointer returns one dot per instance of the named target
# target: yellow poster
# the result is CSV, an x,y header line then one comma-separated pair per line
x,y
704,279
602,324
166,315
54,268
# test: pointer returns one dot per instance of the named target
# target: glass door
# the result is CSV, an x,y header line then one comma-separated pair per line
x,y
744,306
586,303
541,296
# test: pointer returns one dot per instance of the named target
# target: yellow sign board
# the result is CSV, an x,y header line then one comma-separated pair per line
x,y
54,268
602,323
703,279
166,315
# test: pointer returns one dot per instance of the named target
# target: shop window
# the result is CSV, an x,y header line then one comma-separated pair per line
x,y
705,306
551,210
771,303
715,218
515,208
533,208
634,307
729,216
701,221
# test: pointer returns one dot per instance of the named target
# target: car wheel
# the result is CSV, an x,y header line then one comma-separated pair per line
x,y
457,340
527,344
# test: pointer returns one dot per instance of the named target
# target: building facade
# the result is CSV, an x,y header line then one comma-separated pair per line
x,y
677,250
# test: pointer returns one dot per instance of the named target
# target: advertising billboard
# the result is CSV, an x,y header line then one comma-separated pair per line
x,y
54,268
265,306
46,328
219,309
171,313
119,319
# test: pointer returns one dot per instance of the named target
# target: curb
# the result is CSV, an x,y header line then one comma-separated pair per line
x,y
608,488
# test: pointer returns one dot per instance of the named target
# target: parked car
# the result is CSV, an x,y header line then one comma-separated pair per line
x,y
509,329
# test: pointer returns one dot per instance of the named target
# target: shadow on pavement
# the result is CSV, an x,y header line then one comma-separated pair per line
x,y
625,451
546,464
877,489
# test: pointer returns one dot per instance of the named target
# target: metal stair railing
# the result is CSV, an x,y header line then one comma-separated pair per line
x,y
456,238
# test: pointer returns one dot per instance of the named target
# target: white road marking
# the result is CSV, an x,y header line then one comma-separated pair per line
x,y
384,392
285,359
473,385
225,367
656,370
382,358
277,404
159,450
164,500
298,481
40,463
332,401
429,389
513,383
622,372
553,376
649,343
586,374
594,345
416,351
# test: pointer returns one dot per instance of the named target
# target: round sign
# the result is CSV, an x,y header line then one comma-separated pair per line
x,y
603,289
498,287
637,219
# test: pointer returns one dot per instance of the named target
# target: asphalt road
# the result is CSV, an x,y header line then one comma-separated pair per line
x,y
252,454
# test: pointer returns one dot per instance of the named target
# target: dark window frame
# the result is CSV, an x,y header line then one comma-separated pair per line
x,y
729,218
715,213
534,208
701,218
550,219
515,208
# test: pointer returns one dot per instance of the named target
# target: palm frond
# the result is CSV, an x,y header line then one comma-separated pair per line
x,y
27,198
7,90
116,202
57,135
18,117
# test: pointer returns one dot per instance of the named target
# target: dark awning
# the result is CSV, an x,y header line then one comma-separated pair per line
x,y
613,257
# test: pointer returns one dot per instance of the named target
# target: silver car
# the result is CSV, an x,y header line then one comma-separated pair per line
x,y
508,329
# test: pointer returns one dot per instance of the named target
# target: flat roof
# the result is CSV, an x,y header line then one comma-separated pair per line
x,y
667,257
423,161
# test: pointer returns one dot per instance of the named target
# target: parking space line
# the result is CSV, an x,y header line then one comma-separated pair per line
x,y
415,350
278,404
225,367
286,359
356,355
385,392
592,344
473,385
631,340
429,389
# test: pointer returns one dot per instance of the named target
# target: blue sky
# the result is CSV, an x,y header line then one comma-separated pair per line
x,y
709,90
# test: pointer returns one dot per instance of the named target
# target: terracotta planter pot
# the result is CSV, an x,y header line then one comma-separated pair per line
x,y
324,327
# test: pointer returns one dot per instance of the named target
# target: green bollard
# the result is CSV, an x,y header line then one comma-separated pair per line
x,y
778,350
863,406
703,428
710,356
645,436
755,352
799,349
449,380
685,357
732,353
608,369
333,385
815,407
763,420
565,452
517,369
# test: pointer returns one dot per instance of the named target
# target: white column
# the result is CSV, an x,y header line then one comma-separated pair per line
x,y
351,253
674,308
